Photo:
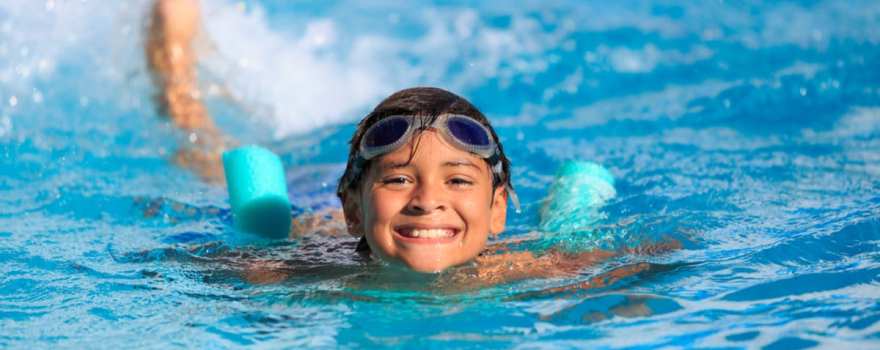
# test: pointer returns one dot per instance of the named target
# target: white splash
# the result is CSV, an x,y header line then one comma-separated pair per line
x,y
327,70
329,73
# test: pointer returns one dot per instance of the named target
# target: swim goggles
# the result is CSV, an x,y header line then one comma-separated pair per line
x,y
460,131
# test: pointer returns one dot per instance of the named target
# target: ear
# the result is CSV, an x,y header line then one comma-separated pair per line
x,y
498,211
351,208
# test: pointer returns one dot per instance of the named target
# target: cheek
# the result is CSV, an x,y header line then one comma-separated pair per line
x,y
381,207
476,208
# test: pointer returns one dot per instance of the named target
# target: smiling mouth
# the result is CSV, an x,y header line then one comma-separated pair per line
x,y
426,233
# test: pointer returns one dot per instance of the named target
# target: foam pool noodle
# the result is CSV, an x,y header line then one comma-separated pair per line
x,y
257,191
573,205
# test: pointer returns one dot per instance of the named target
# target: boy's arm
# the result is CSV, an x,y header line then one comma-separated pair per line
x,y
328,222
502,267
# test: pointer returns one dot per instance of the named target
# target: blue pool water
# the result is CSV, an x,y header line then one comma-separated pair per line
x,y
748,131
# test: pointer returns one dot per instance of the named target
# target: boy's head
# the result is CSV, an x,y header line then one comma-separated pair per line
x,y
426,181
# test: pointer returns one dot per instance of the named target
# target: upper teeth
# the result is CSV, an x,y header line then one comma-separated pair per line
x,y
432,233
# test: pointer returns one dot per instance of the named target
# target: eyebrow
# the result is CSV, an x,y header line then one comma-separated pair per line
x,y
461,162
394,165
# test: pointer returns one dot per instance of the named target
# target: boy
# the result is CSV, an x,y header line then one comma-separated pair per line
x,y
426,182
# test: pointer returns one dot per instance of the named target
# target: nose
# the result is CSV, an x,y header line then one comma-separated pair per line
x,y
426,199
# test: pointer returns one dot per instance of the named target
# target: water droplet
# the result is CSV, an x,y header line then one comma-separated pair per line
x,y
726,103
37,96
43,65
24,71
50,5
193,137
803,91
393,18
213,89
5,125
13,101
591,57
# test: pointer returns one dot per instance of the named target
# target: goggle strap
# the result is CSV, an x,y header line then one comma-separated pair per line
x,y
513,198
498,169
495,160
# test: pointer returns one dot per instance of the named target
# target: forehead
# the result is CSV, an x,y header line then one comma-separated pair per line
x,y
429,148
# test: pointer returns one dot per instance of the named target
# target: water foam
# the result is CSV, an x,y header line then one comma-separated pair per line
x,y
331,67
330,72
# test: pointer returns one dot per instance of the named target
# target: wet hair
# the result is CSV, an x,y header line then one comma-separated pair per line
x,y
425,102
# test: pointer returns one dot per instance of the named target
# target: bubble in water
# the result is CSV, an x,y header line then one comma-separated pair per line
x,y
13,101
37,96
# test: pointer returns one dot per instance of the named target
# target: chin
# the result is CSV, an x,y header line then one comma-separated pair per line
x,y
428,264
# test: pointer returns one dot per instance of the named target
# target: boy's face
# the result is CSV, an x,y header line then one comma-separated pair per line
x,y
430,213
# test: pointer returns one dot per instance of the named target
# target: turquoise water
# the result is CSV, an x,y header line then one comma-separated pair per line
x,y
749,131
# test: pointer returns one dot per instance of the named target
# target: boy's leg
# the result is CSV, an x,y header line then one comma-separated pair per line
x,y
172,61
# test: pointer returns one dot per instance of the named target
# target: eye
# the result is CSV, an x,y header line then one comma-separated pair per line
x,y
395,180
460,182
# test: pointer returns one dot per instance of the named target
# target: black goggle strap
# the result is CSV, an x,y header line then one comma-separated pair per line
x,y
497,172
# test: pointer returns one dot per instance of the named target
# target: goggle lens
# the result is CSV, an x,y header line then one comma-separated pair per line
x,y
388,132
468,131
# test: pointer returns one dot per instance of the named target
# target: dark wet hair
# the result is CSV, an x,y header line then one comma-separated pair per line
x,y
426,102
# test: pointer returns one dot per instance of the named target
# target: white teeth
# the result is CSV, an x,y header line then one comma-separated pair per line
x,y
432,233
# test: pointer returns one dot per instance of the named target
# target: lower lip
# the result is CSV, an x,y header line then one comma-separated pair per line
x,y
432,240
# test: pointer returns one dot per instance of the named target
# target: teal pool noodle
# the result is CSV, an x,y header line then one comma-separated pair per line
x,y
573,203
257,191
